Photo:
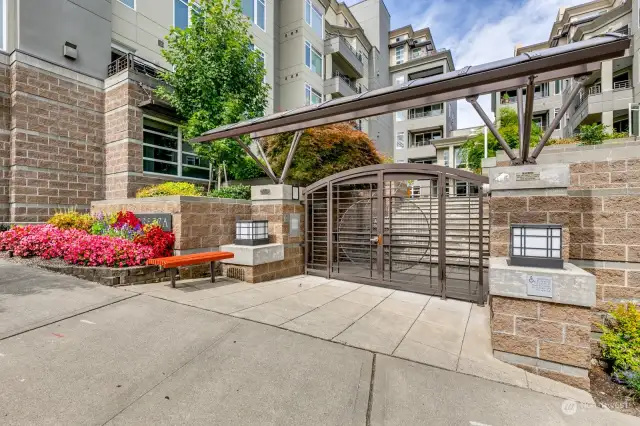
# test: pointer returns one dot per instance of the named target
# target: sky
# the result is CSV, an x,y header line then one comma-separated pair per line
x,y
478,31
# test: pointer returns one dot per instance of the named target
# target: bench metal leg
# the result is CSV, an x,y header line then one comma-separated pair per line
x,y
212,267
172,273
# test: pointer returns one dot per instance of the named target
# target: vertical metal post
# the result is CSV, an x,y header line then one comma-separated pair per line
x,y
172,274
329,228
442,245
212,268
528,118
308,232
520,114
380,226
481,249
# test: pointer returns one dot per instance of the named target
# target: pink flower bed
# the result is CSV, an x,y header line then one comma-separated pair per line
x,y
74,246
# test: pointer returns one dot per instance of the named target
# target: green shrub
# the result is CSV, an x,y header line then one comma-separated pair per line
x,y
170,188
621,339
617,135
239,192
72,219
592,134
562,141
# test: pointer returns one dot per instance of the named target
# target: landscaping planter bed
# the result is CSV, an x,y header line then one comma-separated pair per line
x,y
111,276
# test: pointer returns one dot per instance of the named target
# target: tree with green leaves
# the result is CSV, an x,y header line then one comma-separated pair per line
x,y
322,151
507,124
217,79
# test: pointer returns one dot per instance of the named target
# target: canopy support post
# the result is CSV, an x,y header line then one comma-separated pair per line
x,y
473,100
520,114
256,159
525,140
580,81
264,157
292,151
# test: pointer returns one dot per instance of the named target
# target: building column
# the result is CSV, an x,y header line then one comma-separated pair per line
x,y
607,120
452,163
606,76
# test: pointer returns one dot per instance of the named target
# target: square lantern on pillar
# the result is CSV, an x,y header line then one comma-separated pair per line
x,y
536,245
252,232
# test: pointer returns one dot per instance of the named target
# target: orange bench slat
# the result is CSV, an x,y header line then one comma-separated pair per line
x,y
190,259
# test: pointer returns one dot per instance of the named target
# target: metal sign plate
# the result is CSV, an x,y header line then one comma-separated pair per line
x,y
539,286
164,219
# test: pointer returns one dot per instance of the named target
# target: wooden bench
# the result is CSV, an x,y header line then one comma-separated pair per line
x,y
173,262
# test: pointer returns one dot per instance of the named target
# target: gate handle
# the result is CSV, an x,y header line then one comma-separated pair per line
x,y
376,239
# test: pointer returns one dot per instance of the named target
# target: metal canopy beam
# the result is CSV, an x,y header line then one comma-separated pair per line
x,y
292,151
525,140
579,84
256,159
520,113
264,157
548,64
473,100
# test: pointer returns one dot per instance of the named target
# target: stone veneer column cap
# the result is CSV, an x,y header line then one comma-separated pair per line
x,y
571,285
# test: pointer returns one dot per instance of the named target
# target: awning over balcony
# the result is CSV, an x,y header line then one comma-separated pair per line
x,y
546,65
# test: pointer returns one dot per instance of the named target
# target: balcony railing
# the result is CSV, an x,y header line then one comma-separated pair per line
x,y
596,89
624,30
619,85
349,81
358,54
420,114
425,53
135,63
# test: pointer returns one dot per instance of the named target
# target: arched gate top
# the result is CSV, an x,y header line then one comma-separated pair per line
x,y
418,169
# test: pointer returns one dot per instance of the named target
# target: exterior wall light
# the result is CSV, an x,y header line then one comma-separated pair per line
x,y
252,232
536,245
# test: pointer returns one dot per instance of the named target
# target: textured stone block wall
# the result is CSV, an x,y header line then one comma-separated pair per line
x,y
199,223
5,144
549,339
56,156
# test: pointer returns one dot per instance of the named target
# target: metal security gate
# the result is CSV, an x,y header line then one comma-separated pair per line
x,y
413,227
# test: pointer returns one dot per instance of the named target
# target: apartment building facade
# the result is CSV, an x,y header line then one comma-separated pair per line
x,y
609,95
413,55
78,119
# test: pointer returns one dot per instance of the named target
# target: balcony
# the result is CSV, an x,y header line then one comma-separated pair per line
x,y
596,89
345,56
134,63
425,53
341,85
621,85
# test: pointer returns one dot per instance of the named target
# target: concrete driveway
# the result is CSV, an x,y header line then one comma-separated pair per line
x,y
142,360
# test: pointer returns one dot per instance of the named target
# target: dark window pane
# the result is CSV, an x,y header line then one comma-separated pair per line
x,y
193,160
160,127
164,168
160,154
192,172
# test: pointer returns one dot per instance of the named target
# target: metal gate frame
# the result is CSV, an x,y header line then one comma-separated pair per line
x,y
379,174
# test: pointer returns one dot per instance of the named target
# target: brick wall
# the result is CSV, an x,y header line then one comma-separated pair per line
x,y
56,156
559,335
5,145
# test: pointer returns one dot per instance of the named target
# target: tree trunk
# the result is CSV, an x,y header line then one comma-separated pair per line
x,y
219,177
210,177
226,180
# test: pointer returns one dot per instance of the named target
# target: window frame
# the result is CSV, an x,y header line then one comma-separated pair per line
x,y
399,49
254,19
312,91
400,138
425,141
121,1
312,8
427,111
180,151
312,49
264,60
189,8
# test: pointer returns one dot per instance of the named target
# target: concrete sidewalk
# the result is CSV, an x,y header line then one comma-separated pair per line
x,y
448,334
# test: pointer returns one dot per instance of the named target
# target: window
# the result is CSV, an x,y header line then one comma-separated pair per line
x,y
182,13
165,153
399,115
621,126
399,79
312,58
426,111
256,11
446,157
414,191
558,84
312,96
400,140
424,138
129,3
460,155
347,23
416,53
399,55
313,17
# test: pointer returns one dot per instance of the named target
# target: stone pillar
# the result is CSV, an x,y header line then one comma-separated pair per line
x,y
284,255
607,120
547,335
606,76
